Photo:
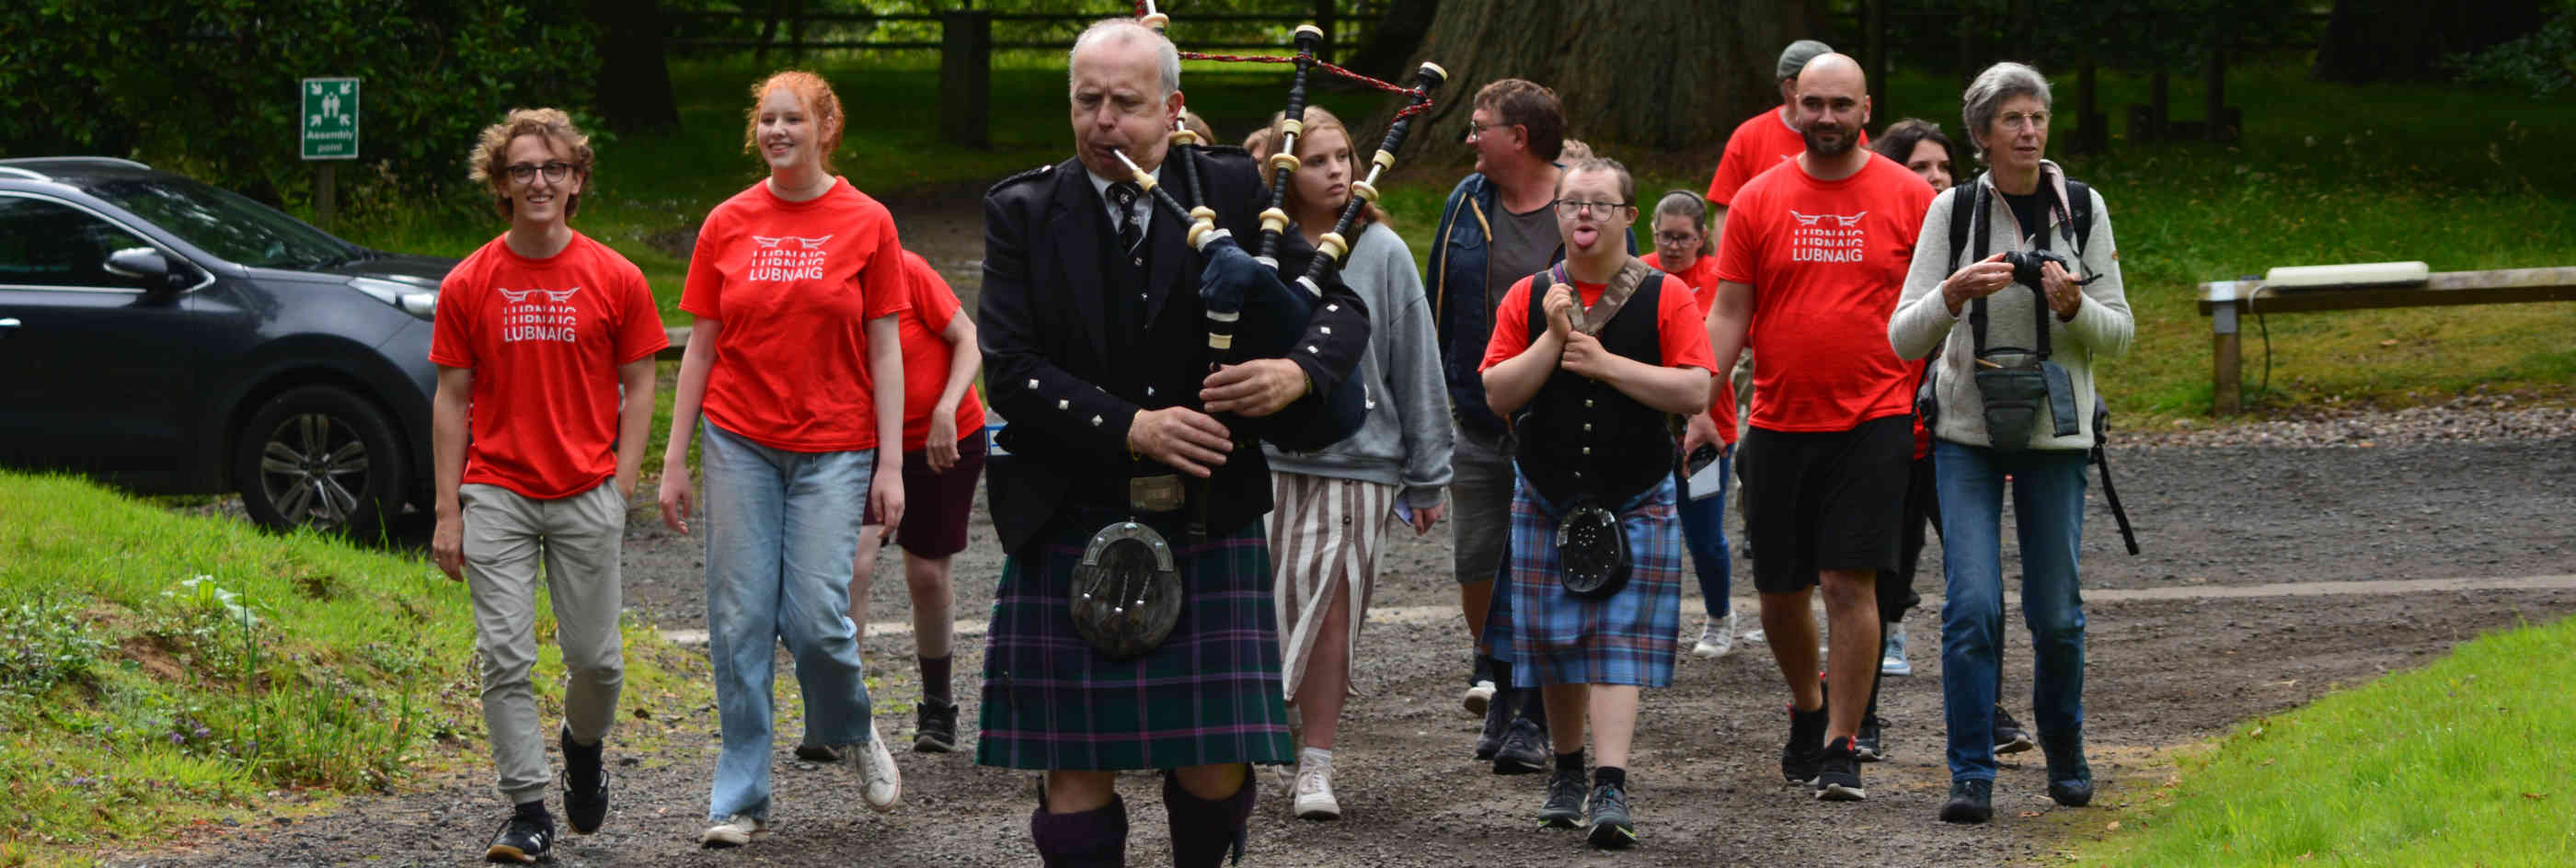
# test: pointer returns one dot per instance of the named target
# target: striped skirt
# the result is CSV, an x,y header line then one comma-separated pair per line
x,y
1324,538
1209,695
1625,638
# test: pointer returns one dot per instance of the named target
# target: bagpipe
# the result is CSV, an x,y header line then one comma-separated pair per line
x,y
1127,590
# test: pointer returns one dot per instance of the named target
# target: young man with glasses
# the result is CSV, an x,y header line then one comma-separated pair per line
x,y
1821,245
544,343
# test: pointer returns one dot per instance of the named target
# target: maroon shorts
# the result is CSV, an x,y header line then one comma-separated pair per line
x,y
936,505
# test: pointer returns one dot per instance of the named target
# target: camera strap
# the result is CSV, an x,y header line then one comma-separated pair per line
x,y
1980,227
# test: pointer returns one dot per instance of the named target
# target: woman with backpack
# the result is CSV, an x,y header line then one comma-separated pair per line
x,y
2021,304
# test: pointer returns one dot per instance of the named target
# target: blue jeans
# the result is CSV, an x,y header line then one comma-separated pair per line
x,y
782,529
1704,535
2048,511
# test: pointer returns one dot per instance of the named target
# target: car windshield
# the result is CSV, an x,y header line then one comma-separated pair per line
x,y
227,224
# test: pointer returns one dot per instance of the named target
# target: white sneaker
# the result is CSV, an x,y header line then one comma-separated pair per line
x,y
735,831
1757,636
880,782
1894,663
1716,637
1315,793
1477,698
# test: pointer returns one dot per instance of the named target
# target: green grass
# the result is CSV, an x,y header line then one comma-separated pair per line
x,y
159,670
2442,766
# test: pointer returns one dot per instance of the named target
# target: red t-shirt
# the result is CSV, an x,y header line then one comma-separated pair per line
x,y
1757,144
1683,342
794,284
1826,261
1701,276
544,338
926,355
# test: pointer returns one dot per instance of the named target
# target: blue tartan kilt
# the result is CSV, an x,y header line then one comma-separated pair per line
x,y
1626,638
1210,694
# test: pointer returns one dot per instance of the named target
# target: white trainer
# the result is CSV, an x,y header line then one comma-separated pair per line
x,y
880,782
1315,792
735,831
1716,637
1895,663
1477,698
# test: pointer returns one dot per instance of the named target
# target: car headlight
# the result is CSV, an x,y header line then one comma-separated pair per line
x,y
410,299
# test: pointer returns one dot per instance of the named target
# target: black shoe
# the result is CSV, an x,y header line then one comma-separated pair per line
x,y
1524,750
585,785
934,727
818,753
2070,778
1799,758
1838,773
2009,736
1868,743
523,839
1970,802
1564,806
1609,828
1498,723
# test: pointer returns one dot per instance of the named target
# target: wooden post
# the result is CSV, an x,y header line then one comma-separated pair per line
x,y
2092,134
2226,353
1873,25
325,195
2159,105
1324,19
2215,82
966,78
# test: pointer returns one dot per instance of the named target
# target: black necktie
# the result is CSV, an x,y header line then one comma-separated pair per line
x,y
1122,195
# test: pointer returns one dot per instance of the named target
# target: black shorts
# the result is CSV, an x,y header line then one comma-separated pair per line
x,y
1824,500
936,505
1896,591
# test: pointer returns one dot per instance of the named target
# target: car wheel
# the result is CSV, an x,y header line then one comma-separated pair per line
x,y
319,457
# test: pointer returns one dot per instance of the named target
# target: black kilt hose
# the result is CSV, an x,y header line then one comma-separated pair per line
x,y
1210,694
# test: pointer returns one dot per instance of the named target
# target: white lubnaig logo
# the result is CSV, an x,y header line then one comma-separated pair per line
x,y
539,315
1820,239
770,261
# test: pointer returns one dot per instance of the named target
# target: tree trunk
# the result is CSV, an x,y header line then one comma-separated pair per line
x,y
2405,40
634,87
1397,34
1645,75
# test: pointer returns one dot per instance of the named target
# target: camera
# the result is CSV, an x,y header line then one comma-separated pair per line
x,y
2026,265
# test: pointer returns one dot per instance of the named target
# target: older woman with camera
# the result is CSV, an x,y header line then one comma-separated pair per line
x,y
2022,297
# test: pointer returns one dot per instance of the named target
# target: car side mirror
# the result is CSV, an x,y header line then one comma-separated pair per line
x,y
145,266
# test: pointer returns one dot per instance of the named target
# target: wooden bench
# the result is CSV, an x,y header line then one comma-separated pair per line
x,y
2223,300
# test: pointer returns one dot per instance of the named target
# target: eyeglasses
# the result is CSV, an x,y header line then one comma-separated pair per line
x,y
1569,208
1677,238
525,172
1475,129
2023,120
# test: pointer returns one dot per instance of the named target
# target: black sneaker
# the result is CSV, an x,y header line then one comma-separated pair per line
x,y
1970,802
1498,723
1838,773
1524,750
585,785
1868,743
934,727
1609,827
1564,806
1799,758
523,839
818,753
2009,736
2070,778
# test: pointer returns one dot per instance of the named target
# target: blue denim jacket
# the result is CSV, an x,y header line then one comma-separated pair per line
x,y
1463,294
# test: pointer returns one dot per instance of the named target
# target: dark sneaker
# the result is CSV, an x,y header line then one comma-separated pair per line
x,y
1799,758
2072,792
934,727
1498,723
1524,750
2070,778
523,840
1838,773
1609,827
1970,802
585,785
2009,736
817,753
1871,749
1564,806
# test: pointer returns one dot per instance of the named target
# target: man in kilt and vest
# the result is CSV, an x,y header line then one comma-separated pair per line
x,y
1590,360
1097,355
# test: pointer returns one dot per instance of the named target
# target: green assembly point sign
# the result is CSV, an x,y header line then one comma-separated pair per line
x,y
330,118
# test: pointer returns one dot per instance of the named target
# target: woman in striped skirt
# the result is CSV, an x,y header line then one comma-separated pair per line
x,y
1590,360
1334,504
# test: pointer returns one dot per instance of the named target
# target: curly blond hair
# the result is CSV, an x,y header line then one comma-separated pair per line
x,y
488,164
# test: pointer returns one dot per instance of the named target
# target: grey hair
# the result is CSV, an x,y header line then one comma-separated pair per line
x,y
1167,59
1986,95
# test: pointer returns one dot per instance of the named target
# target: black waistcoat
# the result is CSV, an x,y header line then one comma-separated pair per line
x,y
1580,436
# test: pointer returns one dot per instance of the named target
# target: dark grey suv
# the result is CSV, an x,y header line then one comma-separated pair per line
x,y
177,338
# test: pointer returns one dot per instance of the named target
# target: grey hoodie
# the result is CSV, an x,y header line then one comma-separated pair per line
x,y
1406,439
